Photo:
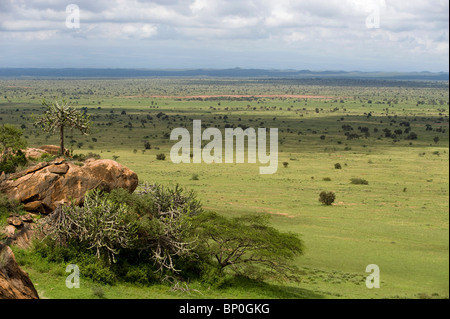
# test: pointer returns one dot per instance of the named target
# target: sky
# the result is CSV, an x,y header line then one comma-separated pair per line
x,y
348,35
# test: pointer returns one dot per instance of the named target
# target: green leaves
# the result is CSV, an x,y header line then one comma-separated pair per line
x,y
11,139
248,245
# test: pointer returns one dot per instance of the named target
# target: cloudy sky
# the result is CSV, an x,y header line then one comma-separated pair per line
x,y
365,35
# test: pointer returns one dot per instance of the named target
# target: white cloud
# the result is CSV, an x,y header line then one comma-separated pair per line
x,y
416,28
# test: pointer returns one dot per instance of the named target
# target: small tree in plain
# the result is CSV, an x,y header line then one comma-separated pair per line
x,y
58,116
327,198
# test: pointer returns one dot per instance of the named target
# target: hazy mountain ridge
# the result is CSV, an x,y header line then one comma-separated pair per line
x,y
235,72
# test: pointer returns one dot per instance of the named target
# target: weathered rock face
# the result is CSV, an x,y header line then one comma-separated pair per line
x,y
42,188
20,230
14,282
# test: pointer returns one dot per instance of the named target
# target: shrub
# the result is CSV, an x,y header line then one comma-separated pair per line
x,y
84,157
195,177
10,162
11,140
326,179
337,166
163,222
285,164
99,224
97,270
412,136
327,198
161,157
163,199
359,181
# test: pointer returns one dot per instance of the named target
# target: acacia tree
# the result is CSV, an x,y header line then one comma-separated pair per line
x,y
249,246
60,115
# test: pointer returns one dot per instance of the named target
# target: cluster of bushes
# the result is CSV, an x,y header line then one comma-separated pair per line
x,y
158,232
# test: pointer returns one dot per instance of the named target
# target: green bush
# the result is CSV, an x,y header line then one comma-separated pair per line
x,y
161,157
9,163
143,273
337,166
99,224
84,157
327,198
359,181
97,270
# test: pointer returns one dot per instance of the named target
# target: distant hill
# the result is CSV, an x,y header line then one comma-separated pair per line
x,y
236,72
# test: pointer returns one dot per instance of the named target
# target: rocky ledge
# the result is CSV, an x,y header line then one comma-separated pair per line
x,y
45,186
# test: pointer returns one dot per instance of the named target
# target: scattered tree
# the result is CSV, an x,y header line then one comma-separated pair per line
x,y
248,245
327,198
58,116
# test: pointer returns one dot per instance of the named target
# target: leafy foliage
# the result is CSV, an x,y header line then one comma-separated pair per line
x,y
11,139
248,245
11,145
327,198
10,162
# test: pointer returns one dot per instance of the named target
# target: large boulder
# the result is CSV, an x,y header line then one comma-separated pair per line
x,y
14,282
45,186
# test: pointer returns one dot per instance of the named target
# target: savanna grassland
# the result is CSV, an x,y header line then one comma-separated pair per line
x,y
392,134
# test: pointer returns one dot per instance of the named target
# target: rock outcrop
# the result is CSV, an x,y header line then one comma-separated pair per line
x,y
14,282
53,149
19,230
45,186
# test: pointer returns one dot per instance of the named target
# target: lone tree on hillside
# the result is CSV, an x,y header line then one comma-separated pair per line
x,y
60,115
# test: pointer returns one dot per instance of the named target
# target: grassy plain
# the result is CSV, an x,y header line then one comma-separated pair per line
x,y
398,221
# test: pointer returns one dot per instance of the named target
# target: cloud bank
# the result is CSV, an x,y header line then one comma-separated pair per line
x,y
366,35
